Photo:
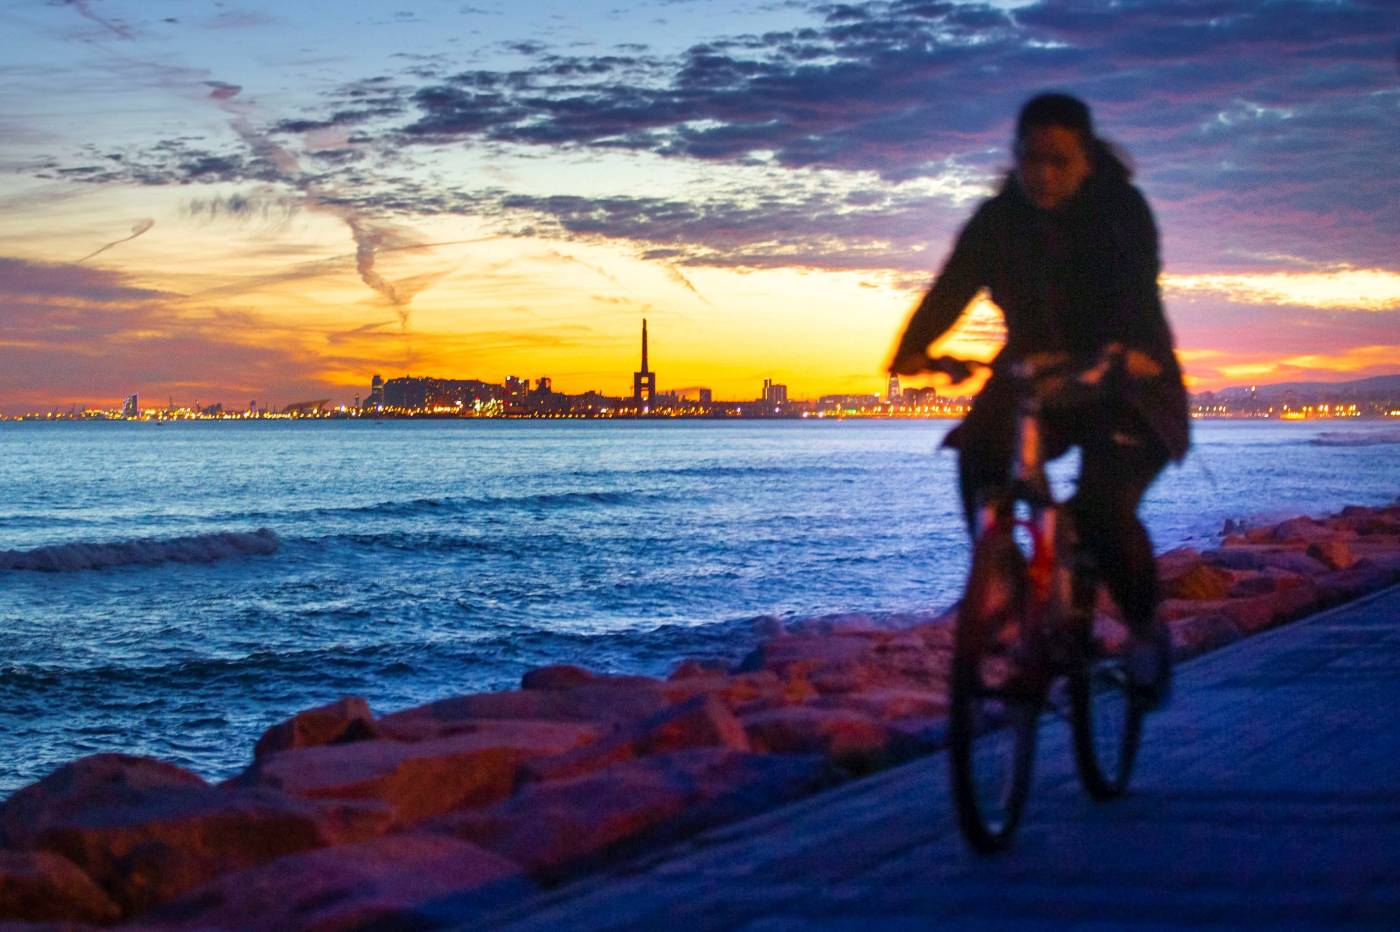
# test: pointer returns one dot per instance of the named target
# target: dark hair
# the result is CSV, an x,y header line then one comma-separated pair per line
x,y
1056,109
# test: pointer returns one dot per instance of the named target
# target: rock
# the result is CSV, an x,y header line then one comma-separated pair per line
x,y
557,676
1200,633
1332,553
1356,580
394,882
1184,573
596,702
742,693
696,669
1295,601
146,832
549,825
1253,613
699,722
36,886
768,626
1303,528
848,738
420,779
891,704
1292,561
799,655
347,719
83,785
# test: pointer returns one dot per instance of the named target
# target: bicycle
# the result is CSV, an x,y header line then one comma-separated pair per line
x,y
1026,621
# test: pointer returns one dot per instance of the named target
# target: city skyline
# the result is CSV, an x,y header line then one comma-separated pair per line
x,y
245,200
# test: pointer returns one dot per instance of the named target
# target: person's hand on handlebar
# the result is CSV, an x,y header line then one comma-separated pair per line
x,y
1135,363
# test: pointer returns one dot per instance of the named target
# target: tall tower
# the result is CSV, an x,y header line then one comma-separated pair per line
x,y
644,381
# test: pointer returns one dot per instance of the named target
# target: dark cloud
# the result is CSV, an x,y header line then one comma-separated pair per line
x,y
1266,122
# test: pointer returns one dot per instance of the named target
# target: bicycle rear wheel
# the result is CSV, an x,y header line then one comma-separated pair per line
x,y
994,705
1106,718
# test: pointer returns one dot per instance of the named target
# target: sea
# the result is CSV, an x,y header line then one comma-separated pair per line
x,y
173,589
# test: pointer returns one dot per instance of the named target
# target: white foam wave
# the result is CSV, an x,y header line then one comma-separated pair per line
x,y
198,548
1346,438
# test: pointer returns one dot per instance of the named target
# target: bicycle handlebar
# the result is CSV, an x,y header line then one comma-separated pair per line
x,y
1036,368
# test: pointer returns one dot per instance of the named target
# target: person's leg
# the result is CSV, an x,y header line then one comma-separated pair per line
x,y
1113,477
1112,480
984,443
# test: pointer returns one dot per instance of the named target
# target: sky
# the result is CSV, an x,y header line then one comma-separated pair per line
x,y
246,200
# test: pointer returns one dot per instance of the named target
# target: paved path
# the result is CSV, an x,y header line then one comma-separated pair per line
x,y
1266,795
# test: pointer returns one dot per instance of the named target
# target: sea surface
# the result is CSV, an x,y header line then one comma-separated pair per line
x,y
174,589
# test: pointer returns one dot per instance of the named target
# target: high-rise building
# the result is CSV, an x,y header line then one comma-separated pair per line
x,y
130,408
894,395
644,380
773,393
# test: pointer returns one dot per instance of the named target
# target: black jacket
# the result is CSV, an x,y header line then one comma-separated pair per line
x,y
1072,280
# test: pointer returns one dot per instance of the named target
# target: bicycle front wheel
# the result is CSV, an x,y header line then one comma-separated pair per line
x,y
994,706
1106,718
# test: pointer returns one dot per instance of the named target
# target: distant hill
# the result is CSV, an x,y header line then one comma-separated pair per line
x,y
1376,386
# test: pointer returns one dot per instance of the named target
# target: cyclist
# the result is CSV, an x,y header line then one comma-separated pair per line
x,y
1068,251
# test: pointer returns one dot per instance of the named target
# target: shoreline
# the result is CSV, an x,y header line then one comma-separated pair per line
x,y
491,795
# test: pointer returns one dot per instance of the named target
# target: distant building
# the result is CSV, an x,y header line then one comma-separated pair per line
x,y
773,393
699,395
919,396
130,407
893,395
416,393
644,380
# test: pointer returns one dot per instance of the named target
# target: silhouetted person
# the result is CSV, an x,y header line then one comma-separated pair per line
x,y
1068,251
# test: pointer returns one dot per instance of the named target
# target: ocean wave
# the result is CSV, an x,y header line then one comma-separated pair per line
x,y
1346,438
197,548
453,503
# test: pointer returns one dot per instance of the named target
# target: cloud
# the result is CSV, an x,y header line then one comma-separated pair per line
x,y
1262,131
1340,289
79,334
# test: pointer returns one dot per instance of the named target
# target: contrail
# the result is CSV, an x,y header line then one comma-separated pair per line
x,y
369,239
141,226
85,11
675,273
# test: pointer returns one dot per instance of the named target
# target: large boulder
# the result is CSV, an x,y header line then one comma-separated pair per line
x,y
1366,575
37,886
1185,574
1332,552
891,704
602,704
1197,634
702,721
797,656
424,778
345,720
1300,529
147,831
848,738
394,882
549,825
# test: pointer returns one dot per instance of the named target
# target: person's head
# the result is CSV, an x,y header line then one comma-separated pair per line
x,y
1055,149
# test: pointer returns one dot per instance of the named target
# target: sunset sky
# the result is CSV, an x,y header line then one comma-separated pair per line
x,y
226,201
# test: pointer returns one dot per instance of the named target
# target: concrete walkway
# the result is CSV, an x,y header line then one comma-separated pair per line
x,y
1266,795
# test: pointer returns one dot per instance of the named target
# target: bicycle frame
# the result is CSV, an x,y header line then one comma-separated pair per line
x,y
1029,485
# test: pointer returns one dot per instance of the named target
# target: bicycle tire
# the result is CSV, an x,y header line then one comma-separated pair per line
x,y
994,708
1106,718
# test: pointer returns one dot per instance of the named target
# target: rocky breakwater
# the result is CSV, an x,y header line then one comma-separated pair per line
x,y
348,820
